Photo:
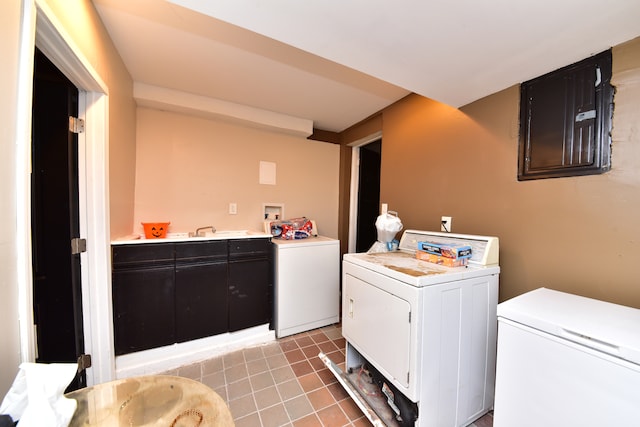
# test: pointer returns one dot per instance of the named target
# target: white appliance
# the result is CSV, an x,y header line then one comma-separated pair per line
x,y
307,284
428,330
566,360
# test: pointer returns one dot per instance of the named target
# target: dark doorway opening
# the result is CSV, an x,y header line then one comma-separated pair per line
x,y
368,194
57,295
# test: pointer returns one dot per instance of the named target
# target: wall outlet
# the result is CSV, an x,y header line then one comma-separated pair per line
x,y
233,208
445,224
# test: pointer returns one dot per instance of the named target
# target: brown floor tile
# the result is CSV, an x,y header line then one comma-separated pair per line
x,y
308,421
302,368
193,372
266,397
360,422
298,407
327,347
253,353
212,366
320,398
350,408
310,382
290,389
304,341
251,420
275,416
277,361
214,380
289,345
282,374
311,351
257,366
337,391
272,349
485,421
236,373
242,407
238,389
340,342
316,363
332,416
233,359
294,356
336,356
318,337
285,384
326,376
260,381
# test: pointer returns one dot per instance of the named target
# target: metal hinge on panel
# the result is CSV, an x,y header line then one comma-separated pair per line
x,y
409,317
407,377
78,245
76,125
84,362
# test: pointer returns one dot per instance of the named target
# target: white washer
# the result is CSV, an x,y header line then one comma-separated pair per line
x,y
429,330
307,284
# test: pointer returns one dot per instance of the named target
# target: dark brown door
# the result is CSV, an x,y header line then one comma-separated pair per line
x,y
54,208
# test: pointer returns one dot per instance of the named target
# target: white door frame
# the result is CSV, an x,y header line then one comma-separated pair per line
x,y
355,186
40,27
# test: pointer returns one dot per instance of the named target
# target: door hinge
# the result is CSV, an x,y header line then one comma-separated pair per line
x,y
84,362
78,245
409,317
407,377
76,125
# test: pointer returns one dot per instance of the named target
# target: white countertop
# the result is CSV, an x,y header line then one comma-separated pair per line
x,y
184,237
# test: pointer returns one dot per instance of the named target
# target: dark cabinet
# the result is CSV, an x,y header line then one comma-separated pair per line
x,y
175,292
201,289
250,284
143,297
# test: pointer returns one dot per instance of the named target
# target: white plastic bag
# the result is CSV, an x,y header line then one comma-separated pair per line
x,y
388,225
36,397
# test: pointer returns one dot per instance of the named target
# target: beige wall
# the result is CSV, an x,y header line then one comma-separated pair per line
x,y
189,169
9,39
578,235
81,21
83,24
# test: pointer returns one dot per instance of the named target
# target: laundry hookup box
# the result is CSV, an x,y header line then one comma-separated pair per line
x,y
447,254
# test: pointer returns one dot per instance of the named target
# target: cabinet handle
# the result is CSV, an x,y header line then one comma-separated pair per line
x,y
351,307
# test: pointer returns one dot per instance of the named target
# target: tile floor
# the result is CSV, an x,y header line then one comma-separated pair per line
x,y
285,384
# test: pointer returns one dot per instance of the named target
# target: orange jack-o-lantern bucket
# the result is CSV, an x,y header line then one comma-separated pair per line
x,y
155,230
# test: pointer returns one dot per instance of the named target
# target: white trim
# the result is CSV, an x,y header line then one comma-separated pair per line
x,y
23,182
41,28
355,186
54,41
163,359
96,295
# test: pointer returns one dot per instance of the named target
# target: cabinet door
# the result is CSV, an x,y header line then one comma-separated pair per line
x,y
143,308
201,300
249,295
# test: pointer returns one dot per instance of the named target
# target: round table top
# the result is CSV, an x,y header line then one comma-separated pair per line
x,y
155,400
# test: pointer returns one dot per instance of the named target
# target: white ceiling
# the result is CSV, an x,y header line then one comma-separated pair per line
x,y
336,62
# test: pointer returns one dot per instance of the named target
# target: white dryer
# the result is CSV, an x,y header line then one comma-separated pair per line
x,y
428,332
